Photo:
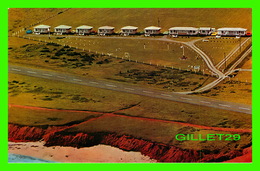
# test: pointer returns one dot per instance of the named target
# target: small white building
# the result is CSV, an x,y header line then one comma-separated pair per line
x,y
41,29
105,30
83,30
206,31
189,31
62,29
127,30
232,31
152,30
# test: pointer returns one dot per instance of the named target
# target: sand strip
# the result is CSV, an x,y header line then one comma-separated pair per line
x,y
95,154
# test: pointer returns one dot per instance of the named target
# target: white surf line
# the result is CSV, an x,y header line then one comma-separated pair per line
x,y
47,75
32,72
93,82
16,69
224,105
129,88
244,108
110,85
76,79
166,95
147,92
204,102
185,98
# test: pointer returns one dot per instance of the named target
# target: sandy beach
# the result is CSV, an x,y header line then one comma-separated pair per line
x,y
95,154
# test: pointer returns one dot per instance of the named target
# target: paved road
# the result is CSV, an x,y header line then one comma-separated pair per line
x,y
133,89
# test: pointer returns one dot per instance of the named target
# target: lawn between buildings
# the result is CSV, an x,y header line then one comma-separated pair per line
x,y
31,91
91,64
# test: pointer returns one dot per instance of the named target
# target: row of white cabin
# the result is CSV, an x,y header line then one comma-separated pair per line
x,y
152,30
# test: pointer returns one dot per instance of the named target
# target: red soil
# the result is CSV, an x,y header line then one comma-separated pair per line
x,y
160,152
55,135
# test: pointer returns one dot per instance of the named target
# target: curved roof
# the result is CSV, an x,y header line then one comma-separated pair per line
x,y
42,26
129,27
152,28
232,29
63,27
183,28
106,27
84,27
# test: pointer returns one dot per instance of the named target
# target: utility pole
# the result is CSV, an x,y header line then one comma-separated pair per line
x,y
225,61
182,51
240,43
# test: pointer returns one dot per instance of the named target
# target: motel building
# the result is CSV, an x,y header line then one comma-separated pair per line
x,y
206,31
232,31
128,30
62,29
105,30
152,30
41,29
189,31
83,30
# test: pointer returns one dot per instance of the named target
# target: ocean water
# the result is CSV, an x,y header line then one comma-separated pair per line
x,y
16,158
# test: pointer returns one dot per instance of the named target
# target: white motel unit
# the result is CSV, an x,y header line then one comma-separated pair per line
x,y
41,29
189,31
106,30
232,31
128,30
152,30
206,31
62,29
83,30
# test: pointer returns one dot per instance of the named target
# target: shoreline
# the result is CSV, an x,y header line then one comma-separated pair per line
x,y
95,154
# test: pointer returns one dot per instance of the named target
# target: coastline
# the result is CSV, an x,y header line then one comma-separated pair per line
x,y
96,154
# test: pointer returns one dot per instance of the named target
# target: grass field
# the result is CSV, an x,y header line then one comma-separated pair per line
x,y
218,48
148,51
45,118
23,17
71,60
119,17
237,89
31,91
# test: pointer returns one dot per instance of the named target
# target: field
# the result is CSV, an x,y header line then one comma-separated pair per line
x,y
17,16
218,48
31,91
95,65
119,17
148,51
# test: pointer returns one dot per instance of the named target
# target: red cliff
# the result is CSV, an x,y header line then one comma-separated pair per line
x,y
161,152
